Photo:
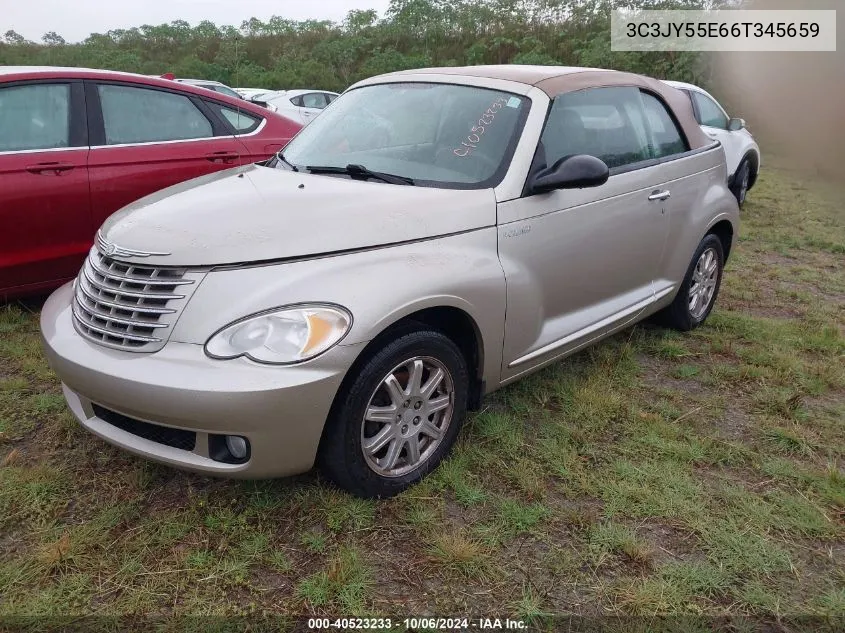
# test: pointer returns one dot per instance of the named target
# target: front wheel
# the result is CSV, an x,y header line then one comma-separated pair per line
x,y
397,417
741,181
700,287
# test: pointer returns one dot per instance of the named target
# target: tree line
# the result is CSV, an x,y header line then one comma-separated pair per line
x,y
283,54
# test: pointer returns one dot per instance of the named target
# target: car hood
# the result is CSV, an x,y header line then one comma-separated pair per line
x,y
255,213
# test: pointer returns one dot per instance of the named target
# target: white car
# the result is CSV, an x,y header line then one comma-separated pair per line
x,y
300,105
256,95
249,93
208,84
741,151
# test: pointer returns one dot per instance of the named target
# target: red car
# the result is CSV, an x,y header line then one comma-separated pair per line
x,y
76,145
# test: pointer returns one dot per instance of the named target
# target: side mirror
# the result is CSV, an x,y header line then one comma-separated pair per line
x,y
570,172
734,125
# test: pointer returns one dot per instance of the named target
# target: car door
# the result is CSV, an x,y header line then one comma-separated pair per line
x,y
246,125
285,106
582,262
312,104
44,198
714,121
146,138
684,181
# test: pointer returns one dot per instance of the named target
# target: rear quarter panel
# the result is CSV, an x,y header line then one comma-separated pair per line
x,y
700,199
273,135
121,174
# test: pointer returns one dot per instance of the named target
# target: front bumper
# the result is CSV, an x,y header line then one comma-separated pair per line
x,y
280,410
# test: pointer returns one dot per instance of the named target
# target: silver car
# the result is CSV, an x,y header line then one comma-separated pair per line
x,y
347,302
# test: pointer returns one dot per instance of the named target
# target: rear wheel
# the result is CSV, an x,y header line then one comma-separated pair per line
x,y
397,417
698,291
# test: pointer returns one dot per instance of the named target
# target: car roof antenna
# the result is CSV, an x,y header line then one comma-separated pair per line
x,y
238,73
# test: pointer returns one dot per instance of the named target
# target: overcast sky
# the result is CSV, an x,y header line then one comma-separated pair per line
x,y
77,19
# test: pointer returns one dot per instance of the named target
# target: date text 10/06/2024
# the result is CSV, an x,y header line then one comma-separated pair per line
x,y
444,624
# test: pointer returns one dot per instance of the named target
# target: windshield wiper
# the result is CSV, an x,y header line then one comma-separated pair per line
x,y
280,157
359,171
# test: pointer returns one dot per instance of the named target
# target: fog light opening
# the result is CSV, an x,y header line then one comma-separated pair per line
x,y
237,446
229,449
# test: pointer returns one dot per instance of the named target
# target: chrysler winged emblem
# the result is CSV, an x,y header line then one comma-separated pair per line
x,y
111,250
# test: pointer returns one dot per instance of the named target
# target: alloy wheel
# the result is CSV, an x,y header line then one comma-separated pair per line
x,y
743,186
407,416
703,286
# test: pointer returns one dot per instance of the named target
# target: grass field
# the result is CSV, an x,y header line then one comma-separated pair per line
x,y
655,474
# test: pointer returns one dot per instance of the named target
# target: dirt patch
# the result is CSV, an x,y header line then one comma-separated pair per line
x,y
717,476
458,516
822,295
768,310
669,542
272,584
772,259
813,566
734,424
575,513
831,401
653,373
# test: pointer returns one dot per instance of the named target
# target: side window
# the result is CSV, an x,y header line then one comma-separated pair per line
x,y
331,97
243,122
141,115
709,112
604,122
297,101
315,100
666,138
34,117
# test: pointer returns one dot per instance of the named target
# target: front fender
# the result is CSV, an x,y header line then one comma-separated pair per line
x,y
378,286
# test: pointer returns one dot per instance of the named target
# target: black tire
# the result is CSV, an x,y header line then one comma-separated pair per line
x,y
341,455
742,179
678,315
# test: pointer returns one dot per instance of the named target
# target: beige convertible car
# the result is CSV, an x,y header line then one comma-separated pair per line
x,y
433,236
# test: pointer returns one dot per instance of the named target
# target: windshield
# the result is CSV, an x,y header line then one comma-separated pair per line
x,y
224,90
439,135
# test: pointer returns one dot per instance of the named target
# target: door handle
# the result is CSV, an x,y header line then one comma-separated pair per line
x,y
659,195
55,167
222,157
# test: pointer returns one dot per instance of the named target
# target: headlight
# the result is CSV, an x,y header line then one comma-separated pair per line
x,y
282,336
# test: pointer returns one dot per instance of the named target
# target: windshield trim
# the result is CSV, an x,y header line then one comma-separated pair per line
x,y
507,156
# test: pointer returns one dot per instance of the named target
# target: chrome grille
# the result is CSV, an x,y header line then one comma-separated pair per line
x,y
129,306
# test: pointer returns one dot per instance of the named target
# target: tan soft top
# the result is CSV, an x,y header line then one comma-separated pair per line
x,y
557,80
